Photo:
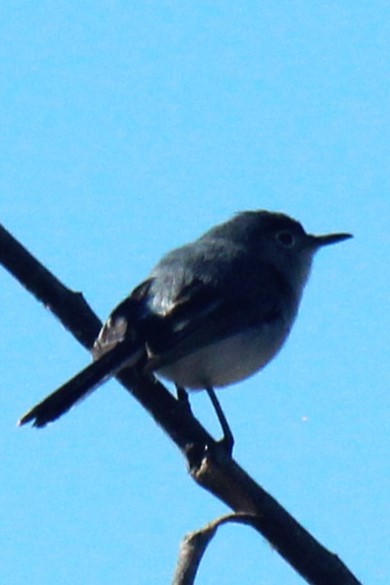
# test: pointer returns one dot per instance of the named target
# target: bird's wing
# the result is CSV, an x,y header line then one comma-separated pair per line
x,y
203,313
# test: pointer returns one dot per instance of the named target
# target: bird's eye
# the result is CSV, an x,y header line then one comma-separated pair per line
x,y
287,239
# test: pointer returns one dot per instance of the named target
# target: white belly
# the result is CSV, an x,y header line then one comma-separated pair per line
x,y
228,361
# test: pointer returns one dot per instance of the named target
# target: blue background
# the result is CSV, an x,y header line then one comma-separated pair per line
x,y
128,128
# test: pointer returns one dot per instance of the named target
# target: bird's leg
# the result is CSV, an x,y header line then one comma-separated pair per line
x,y
227,440
182,398
182,394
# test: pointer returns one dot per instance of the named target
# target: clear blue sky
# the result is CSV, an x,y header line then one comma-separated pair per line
x,y
130,128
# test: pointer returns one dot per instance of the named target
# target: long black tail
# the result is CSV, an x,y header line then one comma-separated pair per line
x,y
56,404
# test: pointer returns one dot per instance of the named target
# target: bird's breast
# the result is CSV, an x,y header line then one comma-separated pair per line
x,y
229,360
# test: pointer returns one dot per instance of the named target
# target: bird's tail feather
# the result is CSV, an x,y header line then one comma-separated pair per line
x,y
78,387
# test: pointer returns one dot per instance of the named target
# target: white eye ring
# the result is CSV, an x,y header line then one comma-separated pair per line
x,y
286,238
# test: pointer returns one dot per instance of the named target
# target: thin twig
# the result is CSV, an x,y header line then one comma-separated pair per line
x,y
194,545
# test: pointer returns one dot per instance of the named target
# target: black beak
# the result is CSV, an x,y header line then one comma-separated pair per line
x,y
319,241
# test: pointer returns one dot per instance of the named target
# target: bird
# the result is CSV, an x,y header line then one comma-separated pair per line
x,y
210,314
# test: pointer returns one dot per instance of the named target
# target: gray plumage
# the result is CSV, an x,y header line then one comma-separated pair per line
x,y
211,313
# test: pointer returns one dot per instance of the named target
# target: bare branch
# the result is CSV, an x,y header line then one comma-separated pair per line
x,y
69,306
208,463
194,544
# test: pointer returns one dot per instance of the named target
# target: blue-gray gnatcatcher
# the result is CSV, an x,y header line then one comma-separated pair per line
x,y
210,314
